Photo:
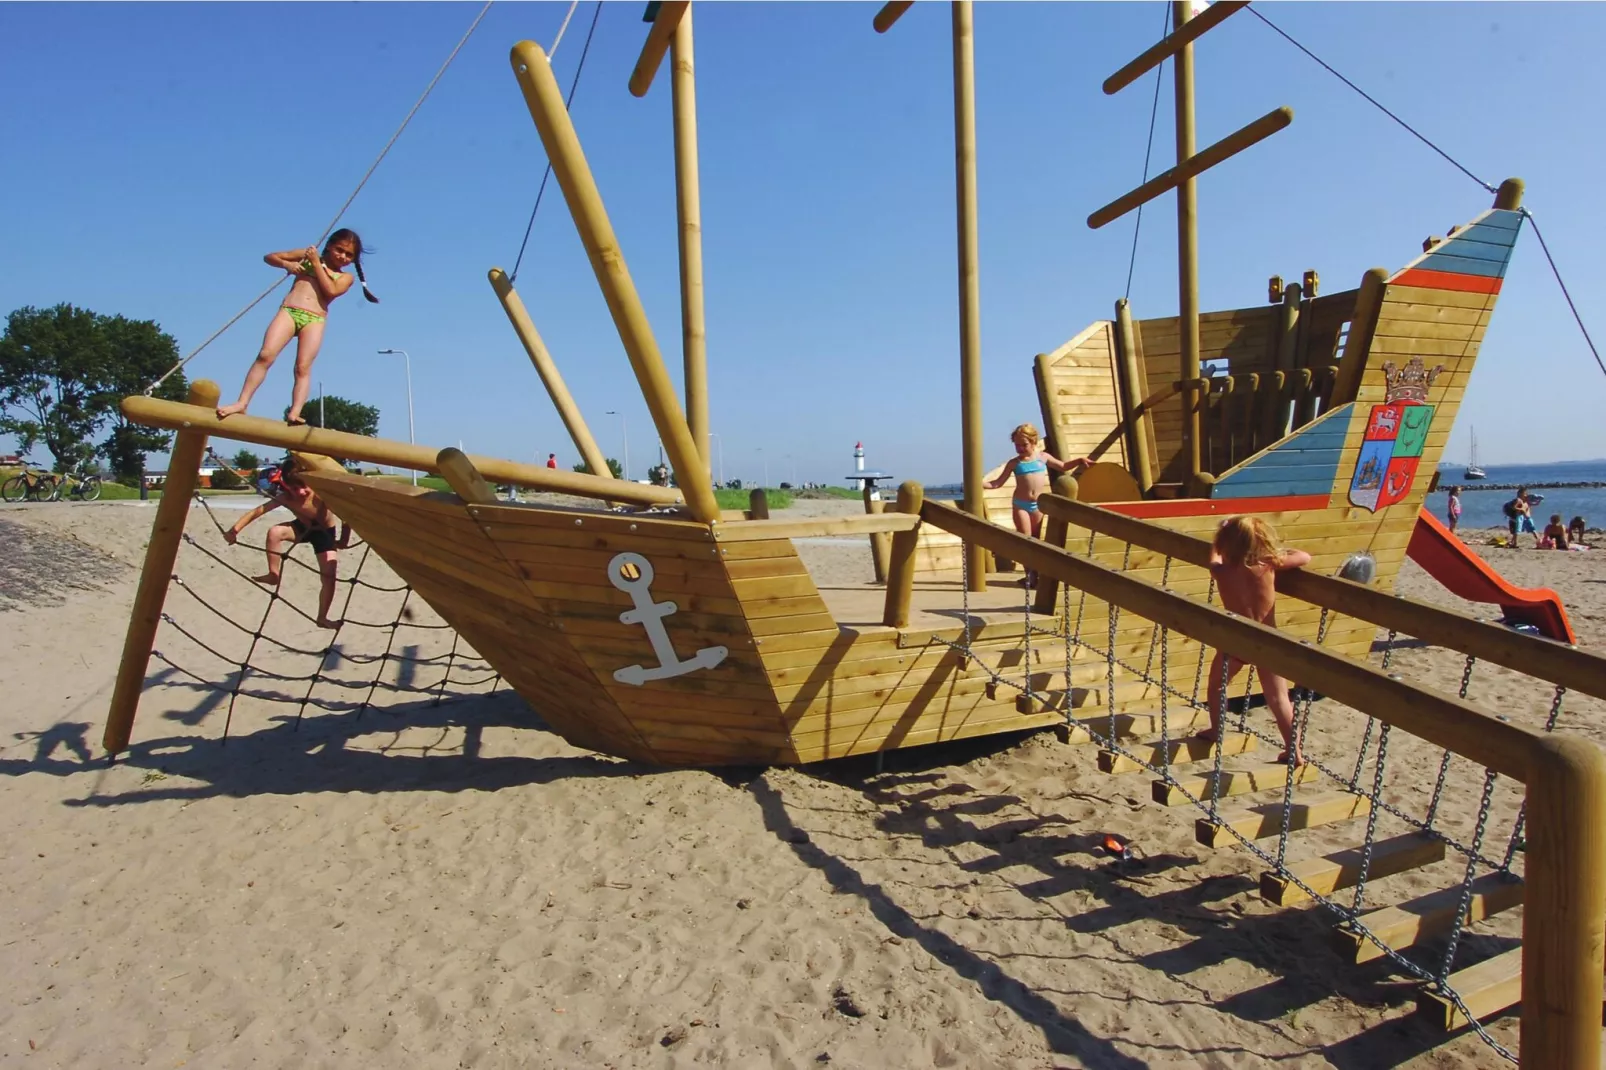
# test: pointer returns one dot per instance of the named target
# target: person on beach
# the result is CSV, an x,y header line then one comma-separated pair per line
x,y
1245,560
551,460
314,524
1520,517
1555,536
1030,467
1453,507
319,280
1575,531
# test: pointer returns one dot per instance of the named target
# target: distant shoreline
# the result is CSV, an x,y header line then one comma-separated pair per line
x,y
1589,484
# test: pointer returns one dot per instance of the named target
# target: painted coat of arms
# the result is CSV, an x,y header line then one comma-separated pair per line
x,y
1396,433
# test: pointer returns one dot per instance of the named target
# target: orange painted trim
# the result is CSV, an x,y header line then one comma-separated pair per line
x,y
1447,280
1223,507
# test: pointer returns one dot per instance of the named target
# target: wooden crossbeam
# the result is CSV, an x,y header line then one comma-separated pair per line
x,y
1266,819
1175,42
1487,989
1427,916
1233,782
1194,165
751,530
1326,874
890,12
1174,752
657,43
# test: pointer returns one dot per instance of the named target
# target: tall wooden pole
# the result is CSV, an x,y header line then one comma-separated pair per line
x,y
547,369
969,279
545,101
1187,248
688,206
183,472
1133,385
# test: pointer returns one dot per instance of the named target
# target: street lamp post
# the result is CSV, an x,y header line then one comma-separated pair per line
x,y
720,443
407,364
624,433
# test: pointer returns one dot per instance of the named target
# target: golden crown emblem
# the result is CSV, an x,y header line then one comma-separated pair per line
x,y
1411,383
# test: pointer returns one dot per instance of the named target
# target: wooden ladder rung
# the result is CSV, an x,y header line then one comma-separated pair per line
x,y
1175,752
1266,819
1233,782
1487,989
1129,725
1426,916
1326,874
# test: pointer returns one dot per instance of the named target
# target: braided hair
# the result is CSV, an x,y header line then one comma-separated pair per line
x,y
347,234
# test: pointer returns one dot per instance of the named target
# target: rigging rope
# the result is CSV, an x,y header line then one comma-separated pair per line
x,y
327,230
1148,153
1554,270
513,276
1371,99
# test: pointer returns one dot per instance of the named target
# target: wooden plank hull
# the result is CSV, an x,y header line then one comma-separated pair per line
x,y
549,598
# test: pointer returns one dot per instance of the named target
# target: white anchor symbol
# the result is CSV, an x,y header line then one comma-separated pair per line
x,y
650,615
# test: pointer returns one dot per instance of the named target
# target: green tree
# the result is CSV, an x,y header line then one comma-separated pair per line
x,y
246,461
614,467
341,415
63,371
140,352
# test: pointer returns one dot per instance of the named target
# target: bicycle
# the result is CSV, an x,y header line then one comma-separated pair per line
x,y
84,488
31,484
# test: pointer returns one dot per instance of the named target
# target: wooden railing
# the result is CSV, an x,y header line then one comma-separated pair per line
x,y
1564,919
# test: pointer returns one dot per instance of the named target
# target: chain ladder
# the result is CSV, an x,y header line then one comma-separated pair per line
x,y
1444,762
1465,901
1516,843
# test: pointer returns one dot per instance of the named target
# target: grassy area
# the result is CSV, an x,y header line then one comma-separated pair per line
x,y
739,499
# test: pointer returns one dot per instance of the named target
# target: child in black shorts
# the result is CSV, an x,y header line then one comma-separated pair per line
x,y
314,524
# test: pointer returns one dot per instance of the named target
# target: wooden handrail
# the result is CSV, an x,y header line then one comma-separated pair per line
x,y
866,524
1436,717
1556,662
177,416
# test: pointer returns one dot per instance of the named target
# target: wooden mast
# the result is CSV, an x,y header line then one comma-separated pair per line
x,y
1187,247
969,279
688,208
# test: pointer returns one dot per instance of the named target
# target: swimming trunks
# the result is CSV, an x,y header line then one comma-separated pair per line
x,y
320,539
1027,468
1030,507
301,317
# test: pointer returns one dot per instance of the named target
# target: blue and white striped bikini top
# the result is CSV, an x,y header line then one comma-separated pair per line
x,y
1032,467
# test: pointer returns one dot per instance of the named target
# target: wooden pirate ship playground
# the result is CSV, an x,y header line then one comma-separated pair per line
x,y
654,627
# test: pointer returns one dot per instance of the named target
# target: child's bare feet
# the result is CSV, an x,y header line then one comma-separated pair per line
x,y
1207,735
1299,759
325,622
225,411
269,580
295,420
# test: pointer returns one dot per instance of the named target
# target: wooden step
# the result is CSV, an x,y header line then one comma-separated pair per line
x,y
1233,782
1266,819
1326,874
1427,916
1487,989
1175,752
1133,725
1087,701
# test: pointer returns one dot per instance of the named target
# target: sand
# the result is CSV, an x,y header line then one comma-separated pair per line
x,y
422,885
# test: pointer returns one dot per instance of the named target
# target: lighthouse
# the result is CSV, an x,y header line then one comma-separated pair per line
x,y
863,481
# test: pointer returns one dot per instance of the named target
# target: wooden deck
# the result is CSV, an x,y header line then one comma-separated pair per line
x,y
937,606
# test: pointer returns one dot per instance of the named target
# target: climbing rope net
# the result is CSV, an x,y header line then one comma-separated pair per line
x,y
255,648
1447,833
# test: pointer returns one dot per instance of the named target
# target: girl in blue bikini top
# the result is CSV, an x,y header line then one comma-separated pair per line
x,y
1030,467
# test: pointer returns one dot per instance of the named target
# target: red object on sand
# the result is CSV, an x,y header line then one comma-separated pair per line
x,y
1462,572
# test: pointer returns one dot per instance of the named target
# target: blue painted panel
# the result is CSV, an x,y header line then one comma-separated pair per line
x,y
1485,233
1502,218
1461,265
1320,471
1286,459
1474,250
1273,490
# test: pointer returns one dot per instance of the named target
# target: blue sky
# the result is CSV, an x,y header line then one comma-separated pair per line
x,y
155,152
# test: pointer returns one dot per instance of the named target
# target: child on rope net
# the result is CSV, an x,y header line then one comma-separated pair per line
x,y
1030,467
319,280
1245,561
314,524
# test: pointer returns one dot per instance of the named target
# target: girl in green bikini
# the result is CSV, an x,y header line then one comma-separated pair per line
x,y
319,280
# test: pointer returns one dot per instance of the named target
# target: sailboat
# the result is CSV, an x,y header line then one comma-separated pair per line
x,y
1473,471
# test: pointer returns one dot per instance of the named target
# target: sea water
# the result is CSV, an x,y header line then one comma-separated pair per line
x,y
1483,508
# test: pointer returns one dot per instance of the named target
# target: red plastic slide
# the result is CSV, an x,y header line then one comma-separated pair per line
x,y
1449,560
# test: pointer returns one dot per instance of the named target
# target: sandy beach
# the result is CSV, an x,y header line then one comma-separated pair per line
x,y
340,874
